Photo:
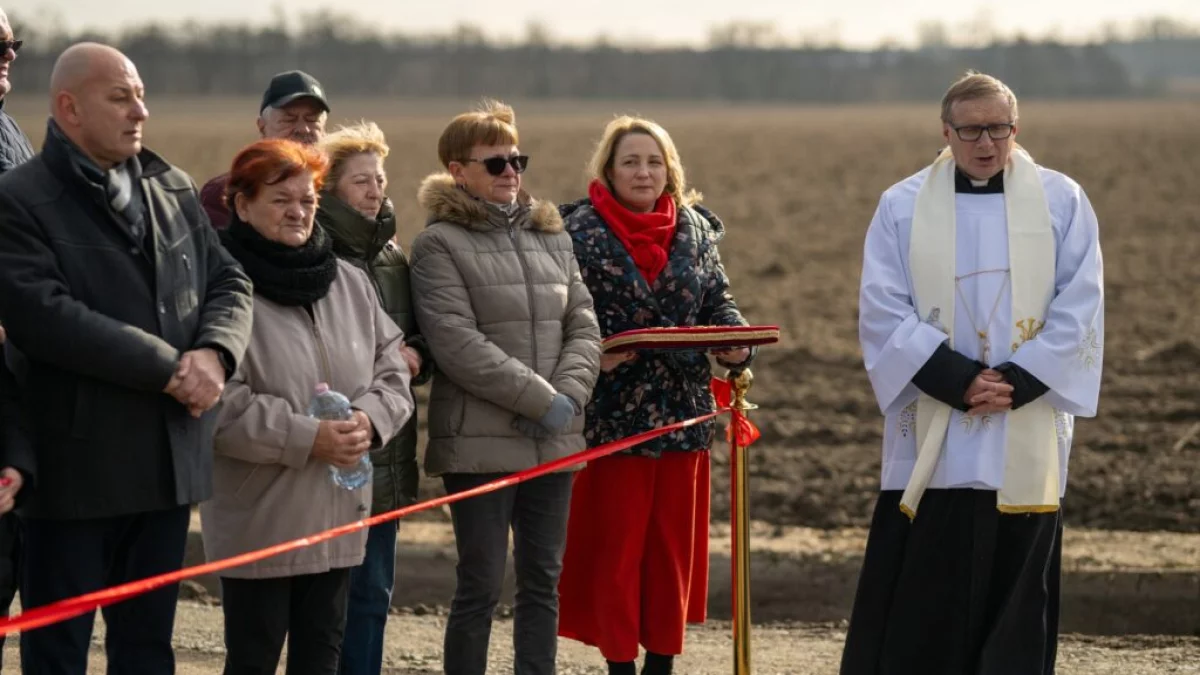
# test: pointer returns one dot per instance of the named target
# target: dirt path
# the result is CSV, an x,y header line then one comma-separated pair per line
x,y
414,646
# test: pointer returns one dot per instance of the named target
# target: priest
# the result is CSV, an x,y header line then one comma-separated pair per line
x,y
981,319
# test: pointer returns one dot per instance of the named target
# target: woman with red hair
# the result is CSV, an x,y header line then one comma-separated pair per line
x,y
316,320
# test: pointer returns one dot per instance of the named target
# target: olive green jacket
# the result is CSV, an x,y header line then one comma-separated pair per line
x,y
368,245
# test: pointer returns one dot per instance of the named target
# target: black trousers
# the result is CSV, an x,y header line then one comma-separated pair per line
x,y
536,512
308,610
961,590
65,558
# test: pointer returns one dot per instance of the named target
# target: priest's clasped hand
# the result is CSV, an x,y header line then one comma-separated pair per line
x,y
989,394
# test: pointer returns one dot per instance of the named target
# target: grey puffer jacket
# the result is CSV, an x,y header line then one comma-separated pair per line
x,y
510,323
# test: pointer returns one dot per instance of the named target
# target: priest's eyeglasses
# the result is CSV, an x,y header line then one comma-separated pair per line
x,y
973,132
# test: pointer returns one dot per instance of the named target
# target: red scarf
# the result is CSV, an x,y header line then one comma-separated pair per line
x,y
646,236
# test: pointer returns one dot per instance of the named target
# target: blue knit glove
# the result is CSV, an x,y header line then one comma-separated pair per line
x,y
558,418
530,428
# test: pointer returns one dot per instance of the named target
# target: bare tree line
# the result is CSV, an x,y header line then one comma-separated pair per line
x,y
744,62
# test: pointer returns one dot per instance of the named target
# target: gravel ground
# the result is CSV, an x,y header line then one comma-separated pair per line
x,y
414,646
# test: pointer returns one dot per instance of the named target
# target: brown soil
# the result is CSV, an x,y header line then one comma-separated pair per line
x,y
797,188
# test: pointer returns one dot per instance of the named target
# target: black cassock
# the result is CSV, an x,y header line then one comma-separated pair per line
x,y
962,589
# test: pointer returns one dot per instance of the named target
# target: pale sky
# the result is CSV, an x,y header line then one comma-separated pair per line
x,y
854,22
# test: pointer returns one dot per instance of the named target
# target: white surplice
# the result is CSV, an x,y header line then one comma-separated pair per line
x,y
1066,355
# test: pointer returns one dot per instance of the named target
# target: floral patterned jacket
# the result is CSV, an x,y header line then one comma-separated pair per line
x,y
660,387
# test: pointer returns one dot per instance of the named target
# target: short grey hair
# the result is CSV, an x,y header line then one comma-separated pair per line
x,y
975,85
269,110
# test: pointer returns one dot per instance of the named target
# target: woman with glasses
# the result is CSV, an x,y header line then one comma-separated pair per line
x,y
510,325
15,148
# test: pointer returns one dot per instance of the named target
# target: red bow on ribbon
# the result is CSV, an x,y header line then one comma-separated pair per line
x,y
746,432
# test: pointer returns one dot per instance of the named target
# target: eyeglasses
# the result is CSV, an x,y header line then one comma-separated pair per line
x,y
14,45
496,165
973,132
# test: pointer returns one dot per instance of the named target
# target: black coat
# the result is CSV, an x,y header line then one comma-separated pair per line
x,y
98,324
15,450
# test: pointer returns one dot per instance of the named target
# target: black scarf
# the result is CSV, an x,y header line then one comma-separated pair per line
x,y
288,275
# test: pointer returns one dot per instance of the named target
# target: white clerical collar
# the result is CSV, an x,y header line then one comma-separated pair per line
x,y
968,185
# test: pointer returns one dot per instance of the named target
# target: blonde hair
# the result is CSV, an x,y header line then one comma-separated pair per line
x,y
351,141
975,85
619,128
492,123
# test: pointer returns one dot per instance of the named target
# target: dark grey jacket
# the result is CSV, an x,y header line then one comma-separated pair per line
x,y
99,324
15,450
15,148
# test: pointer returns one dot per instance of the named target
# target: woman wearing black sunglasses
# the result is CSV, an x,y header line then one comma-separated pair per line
x,y
15,148
500,301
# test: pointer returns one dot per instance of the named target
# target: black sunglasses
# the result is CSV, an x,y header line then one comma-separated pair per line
x,y
14,45
496,165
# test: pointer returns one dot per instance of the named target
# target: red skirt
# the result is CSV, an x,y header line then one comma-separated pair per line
x,y
635,569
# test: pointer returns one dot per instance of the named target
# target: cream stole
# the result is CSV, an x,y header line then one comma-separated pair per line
x,y
1031,471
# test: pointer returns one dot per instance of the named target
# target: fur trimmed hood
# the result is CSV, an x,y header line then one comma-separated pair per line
x,y
447,203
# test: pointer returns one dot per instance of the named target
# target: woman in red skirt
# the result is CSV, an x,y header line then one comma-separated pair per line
x,y
635,571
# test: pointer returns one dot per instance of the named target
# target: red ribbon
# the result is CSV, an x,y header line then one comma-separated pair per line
x,y
77,606
740,426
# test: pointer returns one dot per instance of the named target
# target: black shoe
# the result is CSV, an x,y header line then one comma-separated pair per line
x,y
622,668
657,664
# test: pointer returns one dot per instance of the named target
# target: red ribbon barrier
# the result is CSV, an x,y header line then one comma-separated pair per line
x,y
90,602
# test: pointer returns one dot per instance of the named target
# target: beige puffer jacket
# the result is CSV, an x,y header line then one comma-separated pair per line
x,y
510,323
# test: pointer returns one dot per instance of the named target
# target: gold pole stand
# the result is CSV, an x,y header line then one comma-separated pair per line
x,y
740,506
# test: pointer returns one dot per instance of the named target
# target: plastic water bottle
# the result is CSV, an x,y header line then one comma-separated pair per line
x,y
328,404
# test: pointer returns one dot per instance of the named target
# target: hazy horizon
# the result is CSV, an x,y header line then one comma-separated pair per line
x,y
853,23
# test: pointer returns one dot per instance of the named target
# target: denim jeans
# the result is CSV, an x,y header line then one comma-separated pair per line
x,y
370,598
